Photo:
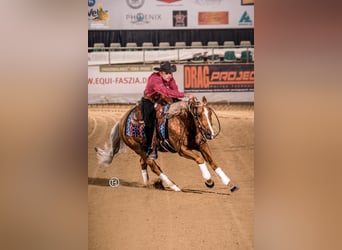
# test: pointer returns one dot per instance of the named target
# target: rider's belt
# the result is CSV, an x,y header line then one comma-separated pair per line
x,y
150,98
153,98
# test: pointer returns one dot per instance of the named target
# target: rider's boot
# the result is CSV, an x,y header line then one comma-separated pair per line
x,y
153,155
152,152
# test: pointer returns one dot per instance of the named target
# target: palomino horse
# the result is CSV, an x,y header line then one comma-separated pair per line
x,y
189,126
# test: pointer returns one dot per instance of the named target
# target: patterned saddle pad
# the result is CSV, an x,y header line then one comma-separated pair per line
x,y
135,124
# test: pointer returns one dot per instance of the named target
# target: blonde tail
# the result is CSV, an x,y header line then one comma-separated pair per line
x,y
106,155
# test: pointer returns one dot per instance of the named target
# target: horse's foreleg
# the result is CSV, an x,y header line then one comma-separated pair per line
x,y
187,153
156,169
205,150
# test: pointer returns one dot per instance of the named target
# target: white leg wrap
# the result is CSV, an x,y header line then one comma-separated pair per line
x,y
224,178
205,172
145,176
165,179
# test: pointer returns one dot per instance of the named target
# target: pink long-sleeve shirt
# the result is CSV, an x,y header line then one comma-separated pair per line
x,y
156,85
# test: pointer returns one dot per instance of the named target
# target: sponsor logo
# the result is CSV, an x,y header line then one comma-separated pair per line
x,y
245,19
141,18
168,3
98,16
218,78
91,3
247,2
116,80
180,18
135,4
208,2
213,18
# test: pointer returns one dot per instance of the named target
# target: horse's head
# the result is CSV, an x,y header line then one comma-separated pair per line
x,y
203,116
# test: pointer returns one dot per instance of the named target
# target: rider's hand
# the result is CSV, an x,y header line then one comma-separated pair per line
x,y
190,96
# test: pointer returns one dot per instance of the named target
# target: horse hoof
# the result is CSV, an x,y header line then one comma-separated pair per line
x,y
234,188
175,188
158,185
210,184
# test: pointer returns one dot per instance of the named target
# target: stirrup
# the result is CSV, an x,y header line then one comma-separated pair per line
x,y
167,146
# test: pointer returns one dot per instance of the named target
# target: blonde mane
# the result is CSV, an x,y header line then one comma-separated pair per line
x,y
177,108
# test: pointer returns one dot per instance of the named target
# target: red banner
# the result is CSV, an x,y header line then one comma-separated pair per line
x,y
219,78
210,18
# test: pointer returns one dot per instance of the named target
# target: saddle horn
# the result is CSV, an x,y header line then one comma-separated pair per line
x,y
191,105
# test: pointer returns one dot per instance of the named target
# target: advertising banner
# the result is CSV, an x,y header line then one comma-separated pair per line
x,y
115,82
219,17
219,78
219,83
170,14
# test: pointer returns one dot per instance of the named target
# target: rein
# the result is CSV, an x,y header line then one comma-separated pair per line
x,y
218,122
198,121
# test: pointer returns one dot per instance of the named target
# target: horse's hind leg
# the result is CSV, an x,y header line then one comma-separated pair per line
x,y
144,172
156,169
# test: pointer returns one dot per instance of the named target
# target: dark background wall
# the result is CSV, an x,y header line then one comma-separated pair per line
x,y
172,36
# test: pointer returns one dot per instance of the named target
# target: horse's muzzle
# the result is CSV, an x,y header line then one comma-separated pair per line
x,y
208,135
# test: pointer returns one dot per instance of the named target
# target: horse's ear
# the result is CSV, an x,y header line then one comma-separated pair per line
x,y
204,100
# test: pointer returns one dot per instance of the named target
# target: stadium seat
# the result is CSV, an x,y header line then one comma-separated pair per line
x,y
196,44
164,44
99,47
213,58
212,43
197,58
246,56
245,44
229,44
132,46
115,46
180,44
147,45
229,56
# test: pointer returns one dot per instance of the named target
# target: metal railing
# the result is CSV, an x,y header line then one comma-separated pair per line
x,y
206,52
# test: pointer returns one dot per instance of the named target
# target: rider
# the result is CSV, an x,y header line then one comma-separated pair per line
x,y
160,84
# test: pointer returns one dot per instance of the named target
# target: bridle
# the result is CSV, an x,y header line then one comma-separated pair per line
x,y
193,109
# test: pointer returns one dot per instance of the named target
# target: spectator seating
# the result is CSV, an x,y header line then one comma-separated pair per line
x,y
212,43
246,56
196,44
132,46
197,58
213,58
229,44
115,46
164,44
99,47
180,44
147,45
229,56
245,44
